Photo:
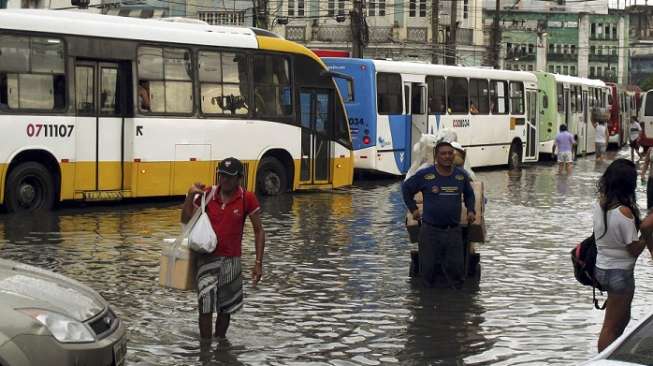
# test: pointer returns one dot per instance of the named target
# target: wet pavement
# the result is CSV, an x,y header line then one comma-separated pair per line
x,y
336,289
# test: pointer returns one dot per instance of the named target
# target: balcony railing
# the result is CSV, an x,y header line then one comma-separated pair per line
x,y
562,57
296,33
380,34
334,33
417,34
521,57
604,58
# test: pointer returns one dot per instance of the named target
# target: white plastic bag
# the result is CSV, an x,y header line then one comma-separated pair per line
x,y
202,238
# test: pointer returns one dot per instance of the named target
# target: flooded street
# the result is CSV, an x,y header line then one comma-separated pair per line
x,y
336,289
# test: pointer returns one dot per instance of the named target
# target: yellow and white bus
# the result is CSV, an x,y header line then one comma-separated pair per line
x,y
97,107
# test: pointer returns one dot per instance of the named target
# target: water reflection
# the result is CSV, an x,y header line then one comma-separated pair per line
x,y
336,289
444,327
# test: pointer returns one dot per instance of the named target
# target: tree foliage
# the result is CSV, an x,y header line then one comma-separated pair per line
x,y
646,84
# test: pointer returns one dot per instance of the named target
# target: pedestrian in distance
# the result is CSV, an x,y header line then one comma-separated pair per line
x,y
601,139
440,240
564,143
634,132
219,275
616,222
648,166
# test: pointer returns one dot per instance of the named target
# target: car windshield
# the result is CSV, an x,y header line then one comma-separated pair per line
x,y
638,347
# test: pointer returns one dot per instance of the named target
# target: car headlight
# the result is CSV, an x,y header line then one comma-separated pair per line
x,y
63,328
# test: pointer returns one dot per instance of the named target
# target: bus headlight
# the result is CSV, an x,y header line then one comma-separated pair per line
x,y
63,328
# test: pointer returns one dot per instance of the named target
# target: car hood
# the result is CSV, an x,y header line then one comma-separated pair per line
x,y
24,286
609,363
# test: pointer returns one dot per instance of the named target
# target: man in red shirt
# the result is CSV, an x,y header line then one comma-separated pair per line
x,y
219,279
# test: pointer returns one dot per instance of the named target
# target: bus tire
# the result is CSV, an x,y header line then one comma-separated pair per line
x,y
271,177
514,157
29,187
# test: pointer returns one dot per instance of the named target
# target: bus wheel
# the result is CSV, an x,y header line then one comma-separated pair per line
x,y
29,187
514,157
271,177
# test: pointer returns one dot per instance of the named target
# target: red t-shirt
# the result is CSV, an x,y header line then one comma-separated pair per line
x,y
228,221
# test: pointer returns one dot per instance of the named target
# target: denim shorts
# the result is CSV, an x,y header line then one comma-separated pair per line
x,y
600,148
618,281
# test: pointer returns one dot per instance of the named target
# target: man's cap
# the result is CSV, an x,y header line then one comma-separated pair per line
x,y
230,166
457,146
442,143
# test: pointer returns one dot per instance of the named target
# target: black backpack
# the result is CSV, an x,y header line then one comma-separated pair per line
x,y
583,258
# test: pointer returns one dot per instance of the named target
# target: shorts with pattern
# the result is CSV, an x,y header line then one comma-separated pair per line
x,y
565,157
219,284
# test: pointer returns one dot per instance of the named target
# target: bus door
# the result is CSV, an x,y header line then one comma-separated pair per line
x,y
590,132
646,118
532,136
567,107
418,113
316,115
100,102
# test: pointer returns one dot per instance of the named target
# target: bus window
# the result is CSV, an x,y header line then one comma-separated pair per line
x,y
648,107
32,73
545,101
416,106
407,98
561,97
223,83
437,94
458,97
308,72
517,97
164,74
346,88
85,89
272,88
108,93
498,94
388,94
479,97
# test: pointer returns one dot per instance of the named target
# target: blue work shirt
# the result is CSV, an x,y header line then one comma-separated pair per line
x,y
441,195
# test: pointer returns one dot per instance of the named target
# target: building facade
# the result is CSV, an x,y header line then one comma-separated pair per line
x,y
641,50
577,44
396,29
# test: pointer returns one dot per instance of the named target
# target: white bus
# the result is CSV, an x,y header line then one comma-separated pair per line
x,y
645,117
97,107
391,104
571,101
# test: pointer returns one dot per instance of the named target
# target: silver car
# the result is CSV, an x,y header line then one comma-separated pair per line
x,y
634,347
49,319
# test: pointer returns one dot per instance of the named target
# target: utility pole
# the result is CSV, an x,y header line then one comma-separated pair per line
x,y
263,14
435,31
254,12
451,60
495,39
359,31
260,14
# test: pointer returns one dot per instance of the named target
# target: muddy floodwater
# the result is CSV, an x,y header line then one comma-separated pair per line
x,y
336,289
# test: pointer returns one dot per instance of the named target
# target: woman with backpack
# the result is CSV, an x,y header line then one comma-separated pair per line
x,y
616,220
